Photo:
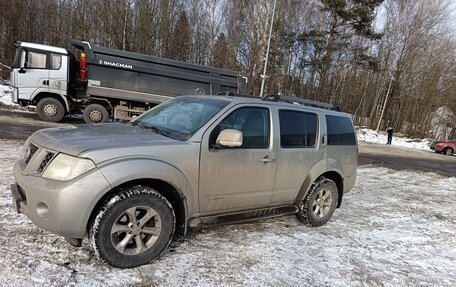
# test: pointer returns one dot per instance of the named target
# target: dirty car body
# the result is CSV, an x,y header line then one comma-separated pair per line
x,y
191,162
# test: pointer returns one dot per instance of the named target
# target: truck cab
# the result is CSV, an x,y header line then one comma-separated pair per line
x,y
39,77
105,83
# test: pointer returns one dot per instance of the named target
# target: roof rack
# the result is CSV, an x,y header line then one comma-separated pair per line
x,y
232,94
304,102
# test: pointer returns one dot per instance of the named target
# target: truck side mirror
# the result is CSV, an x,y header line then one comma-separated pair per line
x,y
22,71
229,138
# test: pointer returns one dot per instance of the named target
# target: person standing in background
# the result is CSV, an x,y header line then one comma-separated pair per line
x,y
389,132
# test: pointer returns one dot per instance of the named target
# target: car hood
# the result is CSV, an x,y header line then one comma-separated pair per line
x,y
74,140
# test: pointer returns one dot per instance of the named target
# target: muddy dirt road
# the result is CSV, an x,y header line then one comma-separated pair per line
x,y
20,125
401,158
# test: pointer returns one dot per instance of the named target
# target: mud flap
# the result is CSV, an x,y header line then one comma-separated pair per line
x,y
17,197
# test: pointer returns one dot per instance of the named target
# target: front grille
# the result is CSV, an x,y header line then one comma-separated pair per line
x,y
47,159
31,150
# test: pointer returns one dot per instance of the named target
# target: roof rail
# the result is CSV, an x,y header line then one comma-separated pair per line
x,y
304,102
232,94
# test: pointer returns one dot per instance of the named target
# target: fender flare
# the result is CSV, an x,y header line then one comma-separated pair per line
x,y
320,168
48,94
125,170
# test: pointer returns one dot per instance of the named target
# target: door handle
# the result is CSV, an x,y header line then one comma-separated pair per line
x,y
268,159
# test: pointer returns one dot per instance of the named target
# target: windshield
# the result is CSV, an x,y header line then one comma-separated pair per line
x,y
181,117
16,63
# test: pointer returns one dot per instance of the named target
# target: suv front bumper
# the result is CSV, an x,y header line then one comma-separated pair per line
x,y
61,207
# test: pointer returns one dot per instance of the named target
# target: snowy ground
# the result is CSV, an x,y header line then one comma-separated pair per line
x,y
393,229
368,135
5,95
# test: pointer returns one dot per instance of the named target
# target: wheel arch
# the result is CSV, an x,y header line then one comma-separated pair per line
x,y
448,148
313,175
101,101
338,180
177,201
41,95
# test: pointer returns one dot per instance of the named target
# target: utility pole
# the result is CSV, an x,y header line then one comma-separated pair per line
x,y
263,77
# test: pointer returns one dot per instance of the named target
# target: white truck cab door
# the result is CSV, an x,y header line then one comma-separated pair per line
x,y
58,73
33,73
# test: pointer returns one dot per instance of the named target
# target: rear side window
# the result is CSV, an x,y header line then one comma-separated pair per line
x,y
56,61
340,131
297,129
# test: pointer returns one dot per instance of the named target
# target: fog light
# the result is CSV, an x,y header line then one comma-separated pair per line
x,y
43,210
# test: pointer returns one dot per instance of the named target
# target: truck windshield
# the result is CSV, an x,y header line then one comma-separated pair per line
x,y
17,59
181,117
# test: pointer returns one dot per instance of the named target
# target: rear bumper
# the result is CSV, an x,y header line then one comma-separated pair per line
x,y
349,182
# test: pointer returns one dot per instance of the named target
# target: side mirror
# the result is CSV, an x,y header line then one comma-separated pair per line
x,y
21,71
229,138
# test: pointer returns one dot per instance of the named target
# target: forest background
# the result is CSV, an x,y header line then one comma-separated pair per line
x,y
391,62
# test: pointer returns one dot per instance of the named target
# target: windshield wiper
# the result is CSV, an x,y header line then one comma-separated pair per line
x,y
156,130
135,124
159,131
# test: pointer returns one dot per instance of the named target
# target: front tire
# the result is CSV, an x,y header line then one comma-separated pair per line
x,y
448,151
95,113
320,202
133,228
50,110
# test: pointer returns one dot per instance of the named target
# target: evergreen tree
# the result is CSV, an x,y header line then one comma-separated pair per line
x,y
181,39
220,52
346,20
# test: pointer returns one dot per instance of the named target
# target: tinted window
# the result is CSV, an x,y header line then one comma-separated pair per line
x,y
17,59
252,122
297,129
340,131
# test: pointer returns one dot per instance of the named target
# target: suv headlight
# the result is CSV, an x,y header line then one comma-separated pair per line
x,y
65,167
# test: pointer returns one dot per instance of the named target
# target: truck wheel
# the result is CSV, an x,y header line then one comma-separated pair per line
x,y
133,228
448,151
95,113
50,110
320,202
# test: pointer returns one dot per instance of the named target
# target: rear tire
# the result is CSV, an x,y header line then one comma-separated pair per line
x,y
50,110
133,228
448,151
320,202
95,113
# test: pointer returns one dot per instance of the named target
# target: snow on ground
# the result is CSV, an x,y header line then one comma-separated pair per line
x,y
5,95
372,136
396,228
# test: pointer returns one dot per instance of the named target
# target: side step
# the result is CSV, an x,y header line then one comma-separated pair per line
x,y
240,217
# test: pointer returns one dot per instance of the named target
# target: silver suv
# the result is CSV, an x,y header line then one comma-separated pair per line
x,y
191,162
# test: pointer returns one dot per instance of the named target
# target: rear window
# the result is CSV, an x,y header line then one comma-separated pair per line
x,y
297,129
340,131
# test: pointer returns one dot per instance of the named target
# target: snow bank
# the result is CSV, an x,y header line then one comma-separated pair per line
x,y
6,96
394,229
368,135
